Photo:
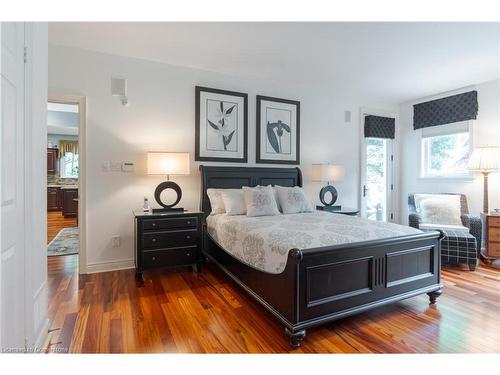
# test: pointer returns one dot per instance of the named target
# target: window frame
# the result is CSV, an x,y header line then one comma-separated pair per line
x,y
61,167
422,154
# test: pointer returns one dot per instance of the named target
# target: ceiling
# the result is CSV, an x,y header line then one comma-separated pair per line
x,y
395,61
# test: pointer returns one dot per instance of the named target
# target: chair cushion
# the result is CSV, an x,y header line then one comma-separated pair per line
x,y
439,208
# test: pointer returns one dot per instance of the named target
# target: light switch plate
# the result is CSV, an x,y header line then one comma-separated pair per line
x,y
105,166
127,167
115,166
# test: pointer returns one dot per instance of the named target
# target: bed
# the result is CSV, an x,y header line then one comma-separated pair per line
x,y
327,277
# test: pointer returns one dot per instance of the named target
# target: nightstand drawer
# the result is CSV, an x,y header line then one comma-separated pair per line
x,y
169,239
170,257
494,249
494,221
172,223
494,234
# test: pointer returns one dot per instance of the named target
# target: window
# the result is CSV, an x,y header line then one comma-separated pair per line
x,y
69,165
446,150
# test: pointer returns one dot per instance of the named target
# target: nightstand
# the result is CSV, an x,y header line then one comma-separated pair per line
x,y
167,240
342,210
490,248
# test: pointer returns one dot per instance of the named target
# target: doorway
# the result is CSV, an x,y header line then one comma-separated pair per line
x,y
65,211
377,186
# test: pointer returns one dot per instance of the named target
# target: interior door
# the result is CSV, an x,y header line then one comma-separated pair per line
x,y
377,179
12,288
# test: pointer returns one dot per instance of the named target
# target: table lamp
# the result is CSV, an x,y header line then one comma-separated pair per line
x,y
328,173
168,164
485,160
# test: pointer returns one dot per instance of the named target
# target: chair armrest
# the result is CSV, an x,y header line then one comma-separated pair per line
x,y
414,220
475,227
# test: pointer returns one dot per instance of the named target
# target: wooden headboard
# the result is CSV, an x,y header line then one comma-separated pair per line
x,y
237,177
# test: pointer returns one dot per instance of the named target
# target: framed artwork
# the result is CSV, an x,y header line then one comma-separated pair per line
x,y
278,130
221,125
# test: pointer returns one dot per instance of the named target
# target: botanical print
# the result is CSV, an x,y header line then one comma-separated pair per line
x,y
278,130
222,125
279,133
264,242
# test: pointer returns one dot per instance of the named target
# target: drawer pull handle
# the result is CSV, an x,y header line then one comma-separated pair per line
x,y
153,240
153,258
154,224
188,254
188,237
188,222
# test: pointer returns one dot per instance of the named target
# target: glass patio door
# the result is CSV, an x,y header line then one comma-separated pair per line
x,y
376,181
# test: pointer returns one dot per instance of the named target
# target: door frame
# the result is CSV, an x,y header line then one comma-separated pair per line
x,y
82,171
391,194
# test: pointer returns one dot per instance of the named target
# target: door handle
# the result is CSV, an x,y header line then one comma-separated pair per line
x,y
365,189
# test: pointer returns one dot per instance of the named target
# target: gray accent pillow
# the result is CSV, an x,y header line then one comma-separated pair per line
x,y
260,201
293,200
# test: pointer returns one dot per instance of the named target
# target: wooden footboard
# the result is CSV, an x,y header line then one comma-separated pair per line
x,y
347,279
323,284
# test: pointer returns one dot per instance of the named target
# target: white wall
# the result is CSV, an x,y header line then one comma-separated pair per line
x,y
161,116
486,131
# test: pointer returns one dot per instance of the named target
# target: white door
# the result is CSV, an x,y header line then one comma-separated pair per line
x,y
377,179
12,292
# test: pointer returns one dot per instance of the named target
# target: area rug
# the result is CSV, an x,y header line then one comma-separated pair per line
x,y
65,243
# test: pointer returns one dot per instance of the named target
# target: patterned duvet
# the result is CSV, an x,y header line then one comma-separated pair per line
x,y
263,242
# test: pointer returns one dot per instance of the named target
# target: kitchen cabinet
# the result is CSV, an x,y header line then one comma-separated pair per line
x,y
52,160
53,199
70,202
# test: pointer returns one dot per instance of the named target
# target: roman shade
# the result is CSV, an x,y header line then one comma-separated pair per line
x,y
379,127
455,108
68,146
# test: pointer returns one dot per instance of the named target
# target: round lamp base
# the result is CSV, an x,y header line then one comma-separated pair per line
x,y
164,186
328,189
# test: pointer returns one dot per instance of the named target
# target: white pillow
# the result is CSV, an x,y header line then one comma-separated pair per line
x,y
216,201
440,209
293,200
260,201
275,193
234,202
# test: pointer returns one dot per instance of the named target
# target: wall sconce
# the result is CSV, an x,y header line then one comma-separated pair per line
x,y
119,88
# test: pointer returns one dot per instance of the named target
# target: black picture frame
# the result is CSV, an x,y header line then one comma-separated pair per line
x,y
259,158
198,157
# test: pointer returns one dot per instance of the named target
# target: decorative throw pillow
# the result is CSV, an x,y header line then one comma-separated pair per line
x,y
216,201
234,202
260,201
275,193
293,200
439,209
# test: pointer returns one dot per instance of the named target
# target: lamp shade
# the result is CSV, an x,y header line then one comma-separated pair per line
x,y
328,172
485,159
168,163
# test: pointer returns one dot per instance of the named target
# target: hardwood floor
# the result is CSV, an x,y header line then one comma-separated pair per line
x,y
56,222
177,311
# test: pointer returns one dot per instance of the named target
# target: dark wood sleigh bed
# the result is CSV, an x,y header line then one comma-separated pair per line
x,y
322,284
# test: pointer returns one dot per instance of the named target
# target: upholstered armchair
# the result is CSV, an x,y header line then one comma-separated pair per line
x,y
473,223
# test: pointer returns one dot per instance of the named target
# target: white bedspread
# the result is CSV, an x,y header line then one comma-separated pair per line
x,y
264,242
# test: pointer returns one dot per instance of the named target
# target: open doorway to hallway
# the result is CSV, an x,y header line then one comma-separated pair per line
x,y
63,126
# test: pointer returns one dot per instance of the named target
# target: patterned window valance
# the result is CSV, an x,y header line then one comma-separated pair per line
x,y
68,146
455,108
380,127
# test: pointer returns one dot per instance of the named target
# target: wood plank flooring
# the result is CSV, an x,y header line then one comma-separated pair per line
x,y
55,222
177,311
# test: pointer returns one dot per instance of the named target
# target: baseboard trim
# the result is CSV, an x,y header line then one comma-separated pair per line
x,y
110,266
